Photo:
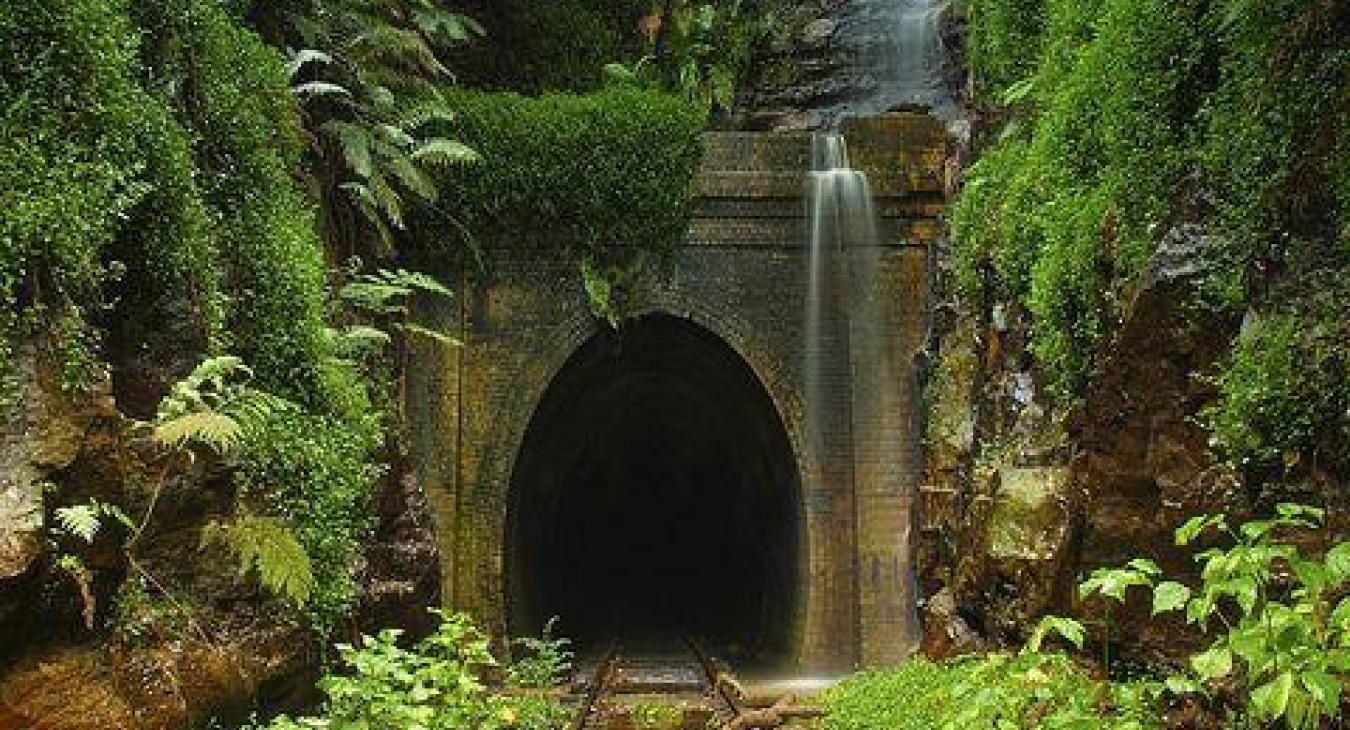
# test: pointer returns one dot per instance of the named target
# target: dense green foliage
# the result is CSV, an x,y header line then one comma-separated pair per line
x,y
368,77
152,160
604,176
1129,115
438,684
534,47
1278,620
1032,690
86,153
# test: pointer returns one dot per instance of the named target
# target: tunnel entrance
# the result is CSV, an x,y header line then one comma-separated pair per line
x,y
656,493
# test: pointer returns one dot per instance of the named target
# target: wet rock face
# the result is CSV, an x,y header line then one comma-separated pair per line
x,y
44,431
1129,464
399,578
799,80
1142,462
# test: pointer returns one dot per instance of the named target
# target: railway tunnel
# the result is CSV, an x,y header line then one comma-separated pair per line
x,y
656,492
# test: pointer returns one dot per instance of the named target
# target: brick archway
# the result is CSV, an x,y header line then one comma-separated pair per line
x,y
741,277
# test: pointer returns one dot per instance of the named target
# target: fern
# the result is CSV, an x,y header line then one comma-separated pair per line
x,y
311,89
266,546
211,428
444,152
387,292
299,59
80,520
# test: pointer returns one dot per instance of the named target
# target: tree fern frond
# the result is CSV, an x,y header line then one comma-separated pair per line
x,y
396,136
399,46
355,142
411,177
311,89
80,520
419,115
357,340
445,152
387,199
433,335
254,409
453,27
267,546
297,60
216,430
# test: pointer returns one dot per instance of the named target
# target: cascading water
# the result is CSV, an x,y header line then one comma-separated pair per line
x,y
851,385
839,201
899,46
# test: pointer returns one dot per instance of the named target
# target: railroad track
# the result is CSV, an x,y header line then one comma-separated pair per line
x,y
633,683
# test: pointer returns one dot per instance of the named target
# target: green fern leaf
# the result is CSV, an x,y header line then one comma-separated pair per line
x,y
355,142
216,430
419,115
311,89
80,520
267,546
445,153
407,173
299,59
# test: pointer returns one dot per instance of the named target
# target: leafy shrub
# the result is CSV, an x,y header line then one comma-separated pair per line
x,y
438,684
1282,619
1121,108
1004,40
535,47
1031,690
89,159
1284,395
605,177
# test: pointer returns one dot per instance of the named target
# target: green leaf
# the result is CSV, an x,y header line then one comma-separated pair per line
x,y
1067,628
1340,616
269,547
1338,563
1145,566
80,520
1169,596
444,152
1179,685
1215,662
1193,527
216,430
1270,699
1324,688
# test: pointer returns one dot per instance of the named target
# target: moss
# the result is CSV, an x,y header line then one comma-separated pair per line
x,y
605,176
986,691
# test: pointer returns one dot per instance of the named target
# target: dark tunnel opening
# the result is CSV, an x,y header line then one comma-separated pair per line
x,y
656,493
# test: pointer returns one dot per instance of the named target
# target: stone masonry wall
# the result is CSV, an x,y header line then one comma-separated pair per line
x,y
742,275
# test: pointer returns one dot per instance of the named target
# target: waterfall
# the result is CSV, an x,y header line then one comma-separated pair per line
x,y
899,46
839,209
852,390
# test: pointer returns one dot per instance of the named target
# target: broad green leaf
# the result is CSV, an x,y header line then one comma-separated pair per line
x,y
1179,685
1338,563
1270,699
1324,688
1169,596
1145,566
1215,662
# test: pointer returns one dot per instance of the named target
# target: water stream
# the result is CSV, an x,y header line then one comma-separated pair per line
x,y
899,47
852,388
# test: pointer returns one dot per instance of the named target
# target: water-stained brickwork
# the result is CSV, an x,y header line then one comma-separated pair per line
x,y
741,278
